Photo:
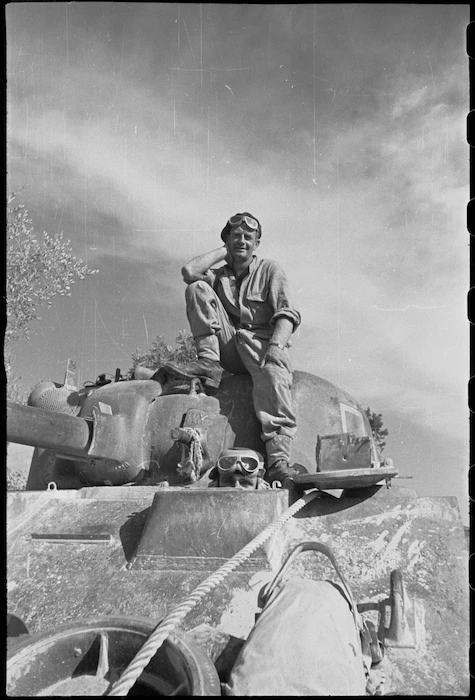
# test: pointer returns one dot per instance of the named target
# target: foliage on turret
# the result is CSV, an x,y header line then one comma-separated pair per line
x,y
376,423
161,352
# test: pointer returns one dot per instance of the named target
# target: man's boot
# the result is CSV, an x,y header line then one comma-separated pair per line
x,y
206,367
278,450
143,373
281,471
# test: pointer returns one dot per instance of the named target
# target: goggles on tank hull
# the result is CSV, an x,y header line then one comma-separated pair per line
x,y
240,459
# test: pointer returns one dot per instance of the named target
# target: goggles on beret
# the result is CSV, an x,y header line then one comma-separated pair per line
x,y
240,459
238,219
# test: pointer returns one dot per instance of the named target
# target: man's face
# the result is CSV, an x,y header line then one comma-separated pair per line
x,y
237,480
242,242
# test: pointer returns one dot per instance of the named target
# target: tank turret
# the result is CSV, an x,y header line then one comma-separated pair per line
x,y
136,432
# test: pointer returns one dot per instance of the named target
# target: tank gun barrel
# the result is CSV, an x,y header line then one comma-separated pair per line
x,y
36,427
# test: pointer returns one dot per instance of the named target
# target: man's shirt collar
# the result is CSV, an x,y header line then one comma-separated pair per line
x,y
251,267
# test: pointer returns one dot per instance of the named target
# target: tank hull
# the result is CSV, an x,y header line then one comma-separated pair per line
x,y
54,581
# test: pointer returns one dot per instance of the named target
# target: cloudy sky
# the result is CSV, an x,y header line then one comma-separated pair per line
x,y
137,129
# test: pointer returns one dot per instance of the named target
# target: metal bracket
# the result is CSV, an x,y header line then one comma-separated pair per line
x,y
109,437
71,377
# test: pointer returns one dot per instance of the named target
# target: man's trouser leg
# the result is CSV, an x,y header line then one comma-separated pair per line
x,y
271,395
241,351
211,327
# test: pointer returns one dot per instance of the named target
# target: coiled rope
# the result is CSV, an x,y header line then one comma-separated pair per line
x,y
173,619
192,465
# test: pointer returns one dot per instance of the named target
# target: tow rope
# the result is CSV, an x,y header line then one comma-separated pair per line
x,y
172,620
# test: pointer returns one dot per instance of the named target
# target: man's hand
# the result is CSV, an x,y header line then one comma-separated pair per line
x,y
278,357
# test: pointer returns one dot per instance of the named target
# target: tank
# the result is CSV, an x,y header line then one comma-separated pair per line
x,y
119,522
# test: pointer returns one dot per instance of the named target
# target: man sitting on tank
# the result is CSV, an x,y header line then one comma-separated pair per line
x,y
241,318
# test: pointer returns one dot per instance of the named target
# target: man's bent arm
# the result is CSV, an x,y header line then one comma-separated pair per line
x,y
195,269
283,329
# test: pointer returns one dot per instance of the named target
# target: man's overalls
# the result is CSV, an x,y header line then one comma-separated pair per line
x,y
232,321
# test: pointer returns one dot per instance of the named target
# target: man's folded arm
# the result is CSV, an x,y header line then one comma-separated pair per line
x,y
198,268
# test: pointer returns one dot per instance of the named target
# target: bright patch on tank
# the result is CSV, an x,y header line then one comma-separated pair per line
x,y
352,421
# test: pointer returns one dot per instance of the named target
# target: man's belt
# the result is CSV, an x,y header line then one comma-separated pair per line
x,y
261,332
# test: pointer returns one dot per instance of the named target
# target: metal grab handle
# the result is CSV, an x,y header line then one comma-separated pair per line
x,y
181,435
267,591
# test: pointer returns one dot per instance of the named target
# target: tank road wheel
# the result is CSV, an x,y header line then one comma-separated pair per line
x,y
87,658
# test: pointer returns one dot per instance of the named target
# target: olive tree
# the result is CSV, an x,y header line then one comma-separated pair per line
x,y
38,268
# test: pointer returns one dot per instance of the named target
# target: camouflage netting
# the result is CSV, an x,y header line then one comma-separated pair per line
x,y
59,399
